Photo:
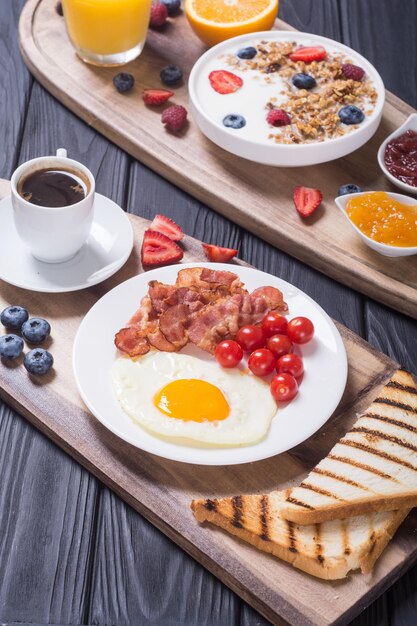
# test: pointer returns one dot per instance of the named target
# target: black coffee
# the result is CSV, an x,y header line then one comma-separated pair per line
x,y
52,188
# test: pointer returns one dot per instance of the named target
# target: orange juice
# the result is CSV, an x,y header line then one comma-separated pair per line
x,y
107,32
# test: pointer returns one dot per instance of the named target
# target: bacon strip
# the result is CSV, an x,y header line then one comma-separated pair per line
x,y
204,307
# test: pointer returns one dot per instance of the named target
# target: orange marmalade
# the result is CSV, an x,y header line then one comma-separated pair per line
x,y
384,219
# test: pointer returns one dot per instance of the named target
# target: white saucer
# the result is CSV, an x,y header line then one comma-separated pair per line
x,y
105,251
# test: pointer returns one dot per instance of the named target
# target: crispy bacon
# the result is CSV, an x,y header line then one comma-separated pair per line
x,y
223,319
204,307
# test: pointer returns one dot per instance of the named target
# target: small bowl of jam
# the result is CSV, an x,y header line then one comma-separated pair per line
x,y
397,156
386,222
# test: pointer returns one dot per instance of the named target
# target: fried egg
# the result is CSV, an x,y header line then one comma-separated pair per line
x,y
180,396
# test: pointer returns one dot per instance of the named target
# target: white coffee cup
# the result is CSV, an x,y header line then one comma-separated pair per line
x,y
53,234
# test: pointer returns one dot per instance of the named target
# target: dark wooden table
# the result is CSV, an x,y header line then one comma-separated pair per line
x,y
71,552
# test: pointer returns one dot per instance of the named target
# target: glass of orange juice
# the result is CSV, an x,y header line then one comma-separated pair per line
x,y
107,32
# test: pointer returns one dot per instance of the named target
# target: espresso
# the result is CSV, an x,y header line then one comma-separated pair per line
x,y
53,188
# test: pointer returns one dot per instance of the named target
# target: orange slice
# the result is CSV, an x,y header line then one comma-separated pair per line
x,y
216,20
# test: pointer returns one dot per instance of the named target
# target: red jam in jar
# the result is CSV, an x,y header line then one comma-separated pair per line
x,y
400,157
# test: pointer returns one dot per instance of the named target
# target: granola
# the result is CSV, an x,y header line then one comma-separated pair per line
x,y
313,113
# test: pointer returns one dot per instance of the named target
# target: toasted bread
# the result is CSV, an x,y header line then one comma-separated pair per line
x,y
329,550
372,468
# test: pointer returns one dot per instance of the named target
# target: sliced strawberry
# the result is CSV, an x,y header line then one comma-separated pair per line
x,y
307,200
158,249
308,54
224,82
217,254
167,226
155,97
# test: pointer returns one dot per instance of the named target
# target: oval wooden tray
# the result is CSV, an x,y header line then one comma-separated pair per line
x,y
257,197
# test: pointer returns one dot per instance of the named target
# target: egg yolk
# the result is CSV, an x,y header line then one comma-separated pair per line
x,y
191,399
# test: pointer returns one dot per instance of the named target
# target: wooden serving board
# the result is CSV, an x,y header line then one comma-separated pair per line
x,y
257,197
162,490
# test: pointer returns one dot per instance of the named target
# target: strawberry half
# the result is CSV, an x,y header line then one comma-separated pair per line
x,y
307,200
155,97
224,82
217,254
308,54
158,249
167,226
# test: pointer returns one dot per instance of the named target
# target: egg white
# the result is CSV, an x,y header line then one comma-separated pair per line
x,y
252,407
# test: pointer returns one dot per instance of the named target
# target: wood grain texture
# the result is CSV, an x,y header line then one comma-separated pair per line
x,y
162,490
214,176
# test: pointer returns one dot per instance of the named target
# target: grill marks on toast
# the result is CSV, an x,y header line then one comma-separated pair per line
x,y
291,537
237,503
263,518
364,466
390,420
343,479
322,492
381,451
378,434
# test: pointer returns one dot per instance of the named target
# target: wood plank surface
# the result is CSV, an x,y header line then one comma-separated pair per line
x,y
214,176
161,490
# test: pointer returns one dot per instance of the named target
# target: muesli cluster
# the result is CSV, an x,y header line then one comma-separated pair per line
x,y
321,95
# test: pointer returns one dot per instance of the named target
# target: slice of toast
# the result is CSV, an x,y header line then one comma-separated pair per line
x,y
372,468
329,550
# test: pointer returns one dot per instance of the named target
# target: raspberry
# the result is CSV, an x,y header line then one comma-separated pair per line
x,y
159,14
354,72
174,117
278,117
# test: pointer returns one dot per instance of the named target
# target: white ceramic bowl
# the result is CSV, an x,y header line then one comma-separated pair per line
x,y
382,248
208,108
409,124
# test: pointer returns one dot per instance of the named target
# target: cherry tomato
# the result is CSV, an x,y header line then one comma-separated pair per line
x,y
284,387
250,338
261,362
274,324
290,364
279,345
300,330
228,353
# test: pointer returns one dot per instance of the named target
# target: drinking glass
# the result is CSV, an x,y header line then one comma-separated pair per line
x,y
107,32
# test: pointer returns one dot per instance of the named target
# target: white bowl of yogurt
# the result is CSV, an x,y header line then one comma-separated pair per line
x,y
259,141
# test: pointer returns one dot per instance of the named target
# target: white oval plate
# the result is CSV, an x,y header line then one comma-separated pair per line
x,y
324,381
208,108
106,250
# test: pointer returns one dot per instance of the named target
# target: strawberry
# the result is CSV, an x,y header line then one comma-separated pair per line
x,y
224,82
167,226
158,249
217,254
159,14
278,117
308,54
307,200
155,97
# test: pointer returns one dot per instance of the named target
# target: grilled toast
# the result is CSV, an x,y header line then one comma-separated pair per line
x,y
372,468
329,550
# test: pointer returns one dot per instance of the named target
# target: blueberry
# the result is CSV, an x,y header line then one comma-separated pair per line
x,y
303,81
351,115
36,330
234,121
247,53
170,75
38,361
344,190
14,317
173,6
11,346
123,82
